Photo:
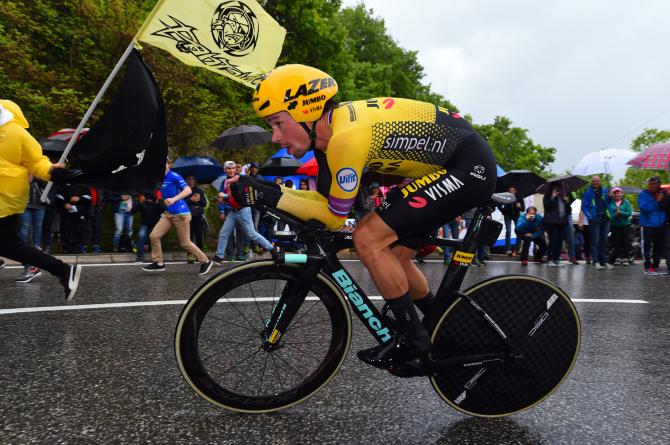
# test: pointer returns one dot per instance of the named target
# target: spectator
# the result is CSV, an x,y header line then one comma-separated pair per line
x,y
652,220
304,184
95,217
238,168
253,170
150,211
173,191
595,205
375,199
279,180
240,218
74,203
570,233
21,156
289,184
197,203
511,213
585,235
529,229
122,208
451,230
665,203
31,224
556,210
621,212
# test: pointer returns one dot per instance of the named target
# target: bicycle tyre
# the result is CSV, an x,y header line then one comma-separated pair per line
x,y
197,312
541,322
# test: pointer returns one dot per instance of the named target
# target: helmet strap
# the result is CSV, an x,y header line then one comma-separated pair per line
x,y
312,134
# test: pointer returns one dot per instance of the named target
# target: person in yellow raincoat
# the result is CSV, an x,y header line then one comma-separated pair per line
x,y
21,156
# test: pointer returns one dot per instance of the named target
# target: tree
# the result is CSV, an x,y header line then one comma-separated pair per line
x,y
514,149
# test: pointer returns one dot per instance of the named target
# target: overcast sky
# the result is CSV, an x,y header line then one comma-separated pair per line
x,y
579,75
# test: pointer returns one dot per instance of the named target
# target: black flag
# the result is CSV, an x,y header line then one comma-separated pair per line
x,y
125,151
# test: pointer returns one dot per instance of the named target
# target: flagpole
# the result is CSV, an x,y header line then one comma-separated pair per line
x,y
89,112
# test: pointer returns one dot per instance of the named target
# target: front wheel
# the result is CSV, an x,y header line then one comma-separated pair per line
x,y
543,328
221,331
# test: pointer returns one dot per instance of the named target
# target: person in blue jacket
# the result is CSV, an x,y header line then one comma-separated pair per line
x,y
652,219
529,229
595,205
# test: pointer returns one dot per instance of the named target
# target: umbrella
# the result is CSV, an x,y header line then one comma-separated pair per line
x,y
630,190
525,181
656,157
203,168
603,161
242,136
309,168
218,182
567,183
53,145
279,167
57,141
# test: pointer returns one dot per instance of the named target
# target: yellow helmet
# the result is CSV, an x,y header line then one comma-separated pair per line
x,y
300,90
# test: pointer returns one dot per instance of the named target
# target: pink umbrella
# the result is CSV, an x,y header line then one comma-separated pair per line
x,y
309,168
656,157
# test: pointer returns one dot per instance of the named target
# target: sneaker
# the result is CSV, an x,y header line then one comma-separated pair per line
x,y
205,267
608,266
540,260
97,249
2,264
625,262
29,275
552,264
508,252
218,260
70,281
574,261
399,357
524,262
240,258
139,259
597,266
154,267
651,271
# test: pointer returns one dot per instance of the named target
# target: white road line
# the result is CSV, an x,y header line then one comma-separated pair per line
x,y
24,310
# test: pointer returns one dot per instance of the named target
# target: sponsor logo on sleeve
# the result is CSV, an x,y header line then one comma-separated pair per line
x,y
339,206
478,172
347,179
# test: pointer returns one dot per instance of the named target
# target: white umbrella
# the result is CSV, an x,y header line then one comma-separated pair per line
x,y
603,161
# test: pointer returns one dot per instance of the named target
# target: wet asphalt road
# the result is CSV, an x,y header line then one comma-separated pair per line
x,y
109,375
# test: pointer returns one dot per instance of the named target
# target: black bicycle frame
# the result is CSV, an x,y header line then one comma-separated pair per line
x,y
324,258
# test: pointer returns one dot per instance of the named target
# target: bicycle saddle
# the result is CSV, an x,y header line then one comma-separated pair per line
x,y
503,198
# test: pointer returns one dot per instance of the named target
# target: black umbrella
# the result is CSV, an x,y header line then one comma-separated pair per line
x,y
242,136
279,167
53,145
567,183
525,181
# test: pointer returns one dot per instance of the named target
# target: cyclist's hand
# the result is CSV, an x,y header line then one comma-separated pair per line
x,y
248,192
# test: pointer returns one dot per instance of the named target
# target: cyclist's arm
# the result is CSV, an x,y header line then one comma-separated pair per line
x,y
308,205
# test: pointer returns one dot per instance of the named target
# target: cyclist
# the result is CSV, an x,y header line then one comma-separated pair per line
x,y
452,166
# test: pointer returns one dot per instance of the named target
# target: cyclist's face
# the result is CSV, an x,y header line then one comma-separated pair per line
x,y
288,133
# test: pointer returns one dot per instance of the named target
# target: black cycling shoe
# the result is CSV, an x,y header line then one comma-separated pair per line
x,y
399,357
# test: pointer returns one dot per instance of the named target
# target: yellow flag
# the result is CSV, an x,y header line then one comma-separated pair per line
x,y
234,38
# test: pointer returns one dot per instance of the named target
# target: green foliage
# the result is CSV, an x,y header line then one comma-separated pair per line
x,y
648,137
514,149
58,53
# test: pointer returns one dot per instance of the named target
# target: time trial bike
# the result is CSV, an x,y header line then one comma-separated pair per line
x,y
265,335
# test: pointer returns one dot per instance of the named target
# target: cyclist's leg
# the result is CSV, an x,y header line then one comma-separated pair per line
x,y
418,284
